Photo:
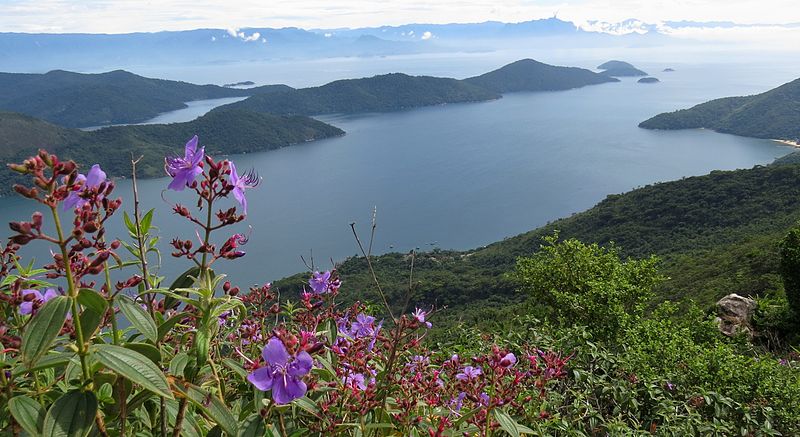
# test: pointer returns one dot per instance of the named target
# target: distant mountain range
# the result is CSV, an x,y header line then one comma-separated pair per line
x,y
79,100
774,114
221,132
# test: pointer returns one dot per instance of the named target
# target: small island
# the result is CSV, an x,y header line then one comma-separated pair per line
x,y
668,70
648,80
620,69
239,84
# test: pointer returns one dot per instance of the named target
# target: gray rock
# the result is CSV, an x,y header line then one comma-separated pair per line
x,y
735,314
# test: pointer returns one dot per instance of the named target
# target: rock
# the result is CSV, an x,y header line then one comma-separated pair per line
x,y
734,314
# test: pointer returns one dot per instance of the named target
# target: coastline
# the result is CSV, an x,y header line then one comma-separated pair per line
x,y
788,142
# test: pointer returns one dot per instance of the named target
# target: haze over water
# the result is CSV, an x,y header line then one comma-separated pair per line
x,y
462,176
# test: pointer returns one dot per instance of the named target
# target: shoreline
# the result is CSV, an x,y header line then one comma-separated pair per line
x,y
788,143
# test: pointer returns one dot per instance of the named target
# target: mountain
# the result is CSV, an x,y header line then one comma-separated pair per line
x,y
620,69
222,132
774,114
78,100
530,75
717,234
388,92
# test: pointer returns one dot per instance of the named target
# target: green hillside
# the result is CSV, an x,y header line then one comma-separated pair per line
x,y
221,132
530,75
388,92
78,100
774,114
716,234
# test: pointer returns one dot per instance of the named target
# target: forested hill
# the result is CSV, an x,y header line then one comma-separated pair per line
x,y
79,100
774,114
391,92
221,132
387,92
531,75
717,234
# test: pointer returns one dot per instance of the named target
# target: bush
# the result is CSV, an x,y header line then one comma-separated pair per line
x,y
588,285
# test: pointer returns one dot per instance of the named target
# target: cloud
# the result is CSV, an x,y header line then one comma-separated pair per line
x,y
426,36
121,16
243,36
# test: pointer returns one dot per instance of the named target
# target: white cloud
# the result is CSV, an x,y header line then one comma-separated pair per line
x,y
427,35
243,36
119,16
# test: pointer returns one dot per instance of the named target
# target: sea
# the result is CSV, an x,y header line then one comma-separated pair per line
x,y
456,176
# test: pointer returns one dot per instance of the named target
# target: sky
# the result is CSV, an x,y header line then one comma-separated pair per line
x,y
123,16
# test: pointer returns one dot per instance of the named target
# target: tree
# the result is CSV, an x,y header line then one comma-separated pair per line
x,y
790,268
588,285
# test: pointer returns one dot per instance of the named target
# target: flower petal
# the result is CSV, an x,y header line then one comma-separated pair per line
x,y
301,365
191,147
285,390
275,353
26,308
261,378
49,294
95,177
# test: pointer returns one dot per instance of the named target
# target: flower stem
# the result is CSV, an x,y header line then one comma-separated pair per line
x,y
72,290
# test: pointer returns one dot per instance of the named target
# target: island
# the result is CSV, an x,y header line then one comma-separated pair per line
x,y
238,84
771,115
668,70
221,132
397,91
531,75
648,80
117,97
620,69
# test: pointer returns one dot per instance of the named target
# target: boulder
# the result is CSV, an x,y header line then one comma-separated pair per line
x,y
734,314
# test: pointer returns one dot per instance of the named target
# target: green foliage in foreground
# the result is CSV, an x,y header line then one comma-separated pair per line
x,y
588,285
223,131
771,115
790,268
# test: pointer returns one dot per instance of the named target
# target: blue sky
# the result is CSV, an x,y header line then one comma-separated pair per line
x,y
120,16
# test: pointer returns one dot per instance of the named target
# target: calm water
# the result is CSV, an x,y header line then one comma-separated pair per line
x,y
192,110
462,176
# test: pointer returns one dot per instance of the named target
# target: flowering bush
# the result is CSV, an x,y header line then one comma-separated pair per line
x,y
95,343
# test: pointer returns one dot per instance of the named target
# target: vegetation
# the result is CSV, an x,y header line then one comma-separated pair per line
x,y
388,92
771,115
790,268
79,100
620,69
530,75
648,80
224,131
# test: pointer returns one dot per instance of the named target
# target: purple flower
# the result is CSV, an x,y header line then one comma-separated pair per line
x,y
484,399
282,373
469,373
320,282
240,183
32,296
457,402
419,316
184,170
75,199
364,326
508,361
355,380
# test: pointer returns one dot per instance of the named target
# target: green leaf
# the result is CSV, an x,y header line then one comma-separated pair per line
x,y
236,367
128,223
164,328
508,423
253,426
43,329
145,221
133,366
92,299
46,362
214,408
185,280
178,364
72,415
138,318
147,350
307,404
28,413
